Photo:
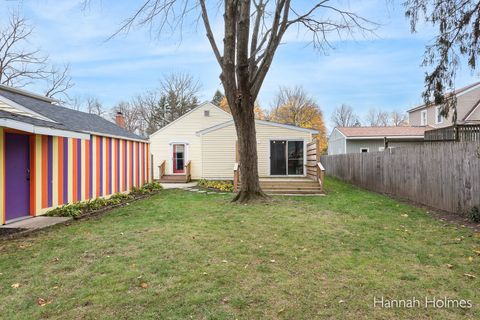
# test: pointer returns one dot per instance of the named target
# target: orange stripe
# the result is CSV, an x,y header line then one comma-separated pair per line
x,y
60,170
44,171
32,175
74,169
87,169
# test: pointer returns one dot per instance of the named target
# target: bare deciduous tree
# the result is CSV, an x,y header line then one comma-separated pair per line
x,y
377,118
344,116
58,82
130,113
252,33
398,119
20,65
94,106
458,26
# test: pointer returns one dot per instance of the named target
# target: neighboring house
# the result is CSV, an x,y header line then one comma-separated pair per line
x,y
369,139
468,110
51,155
206,138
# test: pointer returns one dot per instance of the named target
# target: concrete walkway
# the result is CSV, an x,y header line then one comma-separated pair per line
x,y
178,185
36,223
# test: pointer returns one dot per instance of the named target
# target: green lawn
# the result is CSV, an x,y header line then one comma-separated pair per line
x,y
200,257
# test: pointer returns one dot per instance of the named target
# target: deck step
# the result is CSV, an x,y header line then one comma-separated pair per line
x,y
174,178
293,191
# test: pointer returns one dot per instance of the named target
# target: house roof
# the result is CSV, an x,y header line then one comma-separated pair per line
x,y
380,132
69,119
456,92
268,123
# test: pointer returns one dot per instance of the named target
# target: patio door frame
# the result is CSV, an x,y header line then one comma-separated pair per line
x,y
269,155
171,158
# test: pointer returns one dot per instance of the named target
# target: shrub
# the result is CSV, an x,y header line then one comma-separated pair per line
x,y
220,185
473,214
75,209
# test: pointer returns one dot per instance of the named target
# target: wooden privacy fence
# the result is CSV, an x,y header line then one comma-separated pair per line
x,y
454,133
443,175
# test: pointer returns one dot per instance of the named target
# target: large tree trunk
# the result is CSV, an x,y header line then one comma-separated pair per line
x,y
247,146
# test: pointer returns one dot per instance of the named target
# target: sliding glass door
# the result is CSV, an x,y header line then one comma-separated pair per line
x,y
286,157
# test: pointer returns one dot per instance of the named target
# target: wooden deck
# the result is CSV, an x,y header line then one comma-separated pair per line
x,y
290,186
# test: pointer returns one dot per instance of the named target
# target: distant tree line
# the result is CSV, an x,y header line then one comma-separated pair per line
x,y
344,116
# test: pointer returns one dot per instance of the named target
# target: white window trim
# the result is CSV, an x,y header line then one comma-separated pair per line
x,y
422,123
437,113
364,148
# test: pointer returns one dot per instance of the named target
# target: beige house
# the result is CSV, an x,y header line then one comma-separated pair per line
x,y
468,110
202,143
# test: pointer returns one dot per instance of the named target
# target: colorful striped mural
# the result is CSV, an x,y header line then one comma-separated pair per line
x,y
65,170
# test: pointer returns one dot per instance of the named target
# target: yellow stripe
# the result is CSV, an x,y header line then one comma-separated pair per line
x,y
2,178
38,173
55,172
120,164
113,168
84,169
70,170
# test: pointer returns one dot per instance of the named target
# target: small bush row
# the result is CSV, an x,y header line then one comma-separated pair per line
x,y
220,185
76,209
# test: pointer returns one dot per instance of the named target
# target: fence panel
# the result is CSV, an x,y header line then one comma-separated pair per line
x,y
442,175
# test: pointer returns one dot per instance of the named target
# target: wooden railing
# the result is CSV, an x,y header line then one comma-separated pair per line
x,y
320,174
188,171
236,176
465,132
161,168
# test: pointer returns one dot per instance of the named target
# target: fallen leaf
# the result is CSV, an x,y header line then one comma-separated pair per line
x,y
341,301
205,273
225,300
450,266
477,235
246,266
224,261
16,285
272,261
405,215
469,275
42,302
476,251
470,259
144,285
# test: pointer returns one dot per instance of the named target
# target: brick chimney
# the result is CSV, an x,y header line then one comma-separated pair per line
x,y
120,119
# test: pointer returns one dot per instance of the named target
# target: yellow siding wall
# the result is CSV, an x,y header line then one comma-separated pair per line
x,y
218,149
184,130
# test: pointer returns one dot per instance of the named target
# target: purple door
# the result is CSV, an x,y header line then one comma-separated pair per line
x,y
17,175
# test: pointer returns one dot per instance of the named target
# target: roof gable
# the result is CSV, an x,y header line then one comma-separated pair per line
x,y
205,104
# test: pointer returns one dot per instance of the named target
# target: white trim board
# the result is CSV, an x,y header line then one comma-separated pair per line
x,y
268,123
18,125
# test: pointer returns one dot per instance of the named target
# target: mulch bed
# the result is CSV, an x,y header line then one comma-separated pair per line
x,y
11,233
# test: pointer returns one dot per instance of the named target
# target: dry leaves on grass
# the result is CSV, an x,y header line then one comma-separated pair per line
x,y
42,302
470,276
15,285
450,266
144,285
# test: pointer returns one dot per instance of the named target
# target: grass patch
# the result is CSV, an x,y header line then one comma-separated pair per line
x,y
182,255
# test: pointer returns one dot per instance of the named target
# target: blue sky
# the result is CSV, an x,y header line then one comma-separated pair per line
x,y
381,71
